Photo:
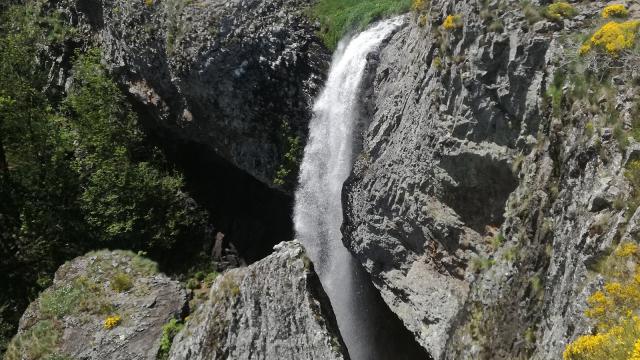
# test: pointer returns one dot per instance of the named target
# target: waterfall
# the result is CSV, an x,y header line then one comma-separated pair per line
x,y
328,159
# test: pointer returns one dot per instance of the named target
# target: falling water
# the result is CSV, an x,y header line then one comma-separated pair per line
x,y
328,158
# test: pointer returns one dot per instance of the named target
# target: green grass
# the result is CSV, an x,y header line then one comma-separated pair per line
x,y
39,342
121,282
339,17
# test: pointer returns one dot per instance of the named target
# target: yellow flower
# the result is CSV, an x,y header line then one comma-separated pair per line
x,y
616,11
584,49
558,11
615,37
112,321
635,354
627,249
584,345
452,22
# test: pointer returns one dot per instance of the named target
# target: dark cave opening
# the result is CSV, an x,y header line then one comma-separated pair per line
x,y
252,216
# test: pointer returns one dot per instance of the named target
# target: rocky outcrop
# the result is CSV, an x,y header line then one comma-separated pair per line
x,y
71,318
223,87
476,204
273,309
237,77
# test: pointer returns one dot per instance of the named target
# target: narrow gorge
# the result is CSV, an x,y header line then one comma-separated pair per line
x,y
369,329
319,179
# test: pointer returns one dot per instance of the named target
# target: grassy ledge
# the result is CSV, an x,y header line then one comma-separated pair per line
x,y
338,17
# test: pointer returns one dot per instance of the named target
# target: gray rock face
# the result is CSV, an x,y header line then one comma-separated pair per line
x,y
74,310
223,74
471,210
273,309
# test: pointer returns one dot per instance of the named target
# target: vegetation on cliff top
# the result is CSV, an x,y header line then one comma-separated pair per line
x,y
617,329
339,17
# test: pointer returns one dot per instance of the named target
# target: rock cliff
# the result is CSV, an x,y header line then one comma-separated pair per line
x,y
480,203
237,77
273,309
224,87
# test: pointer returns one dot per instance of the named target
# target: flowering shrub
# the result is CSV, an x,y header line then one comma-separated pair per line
x,y
613,37
452,22
615,11
614,309
112,321
560,10
419,5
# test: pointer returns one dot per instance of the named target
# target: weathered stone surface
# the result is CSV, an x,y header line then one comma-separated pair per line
x,y
223,74
273,309
471,204
82,297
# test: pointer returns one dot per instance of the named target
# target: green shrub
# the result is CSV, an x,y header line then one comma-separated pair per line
x,y
193,284
532,13
210,278
338,17
169,331
121,282
61,301
559,10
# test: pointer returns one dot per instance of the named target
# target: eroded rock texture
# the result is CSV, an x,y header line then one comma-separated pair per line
x,y
223,74
273,309
473,203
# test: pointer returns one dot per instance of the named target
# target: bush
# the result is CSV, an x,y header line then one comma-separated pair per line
x,y
339,17
193,284
121,282
452,22
560,10
612,38
169,331
614,310
615,11
210,278
532,13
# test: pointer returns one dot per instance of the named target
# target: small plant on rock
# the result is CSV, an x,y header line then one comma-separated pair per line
x,y
615,11
559,10
121,282
452,22
112,321
169,331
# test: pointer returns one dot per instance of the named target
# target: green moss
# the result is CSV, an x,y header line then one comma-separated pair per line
x,y
338,17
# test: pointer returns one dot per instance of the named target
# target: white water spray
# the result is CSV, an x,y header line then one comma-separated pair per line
x,y
328,158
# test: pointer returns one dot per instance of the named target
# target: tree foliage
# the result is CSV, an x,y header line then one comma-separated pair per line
x,y
76,173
